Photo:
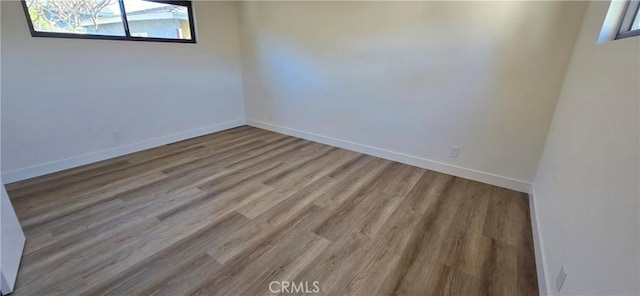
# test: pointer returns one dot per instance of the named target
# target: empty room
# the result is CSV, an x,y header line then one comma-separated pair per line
x,y
156,147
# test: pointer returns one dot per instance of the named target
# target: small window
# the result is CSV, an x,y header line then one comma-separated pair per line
x,y
139,20
630,22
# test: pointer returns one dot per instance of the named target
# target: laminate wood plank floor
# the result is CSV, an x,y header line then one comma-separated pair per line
x,y
231,212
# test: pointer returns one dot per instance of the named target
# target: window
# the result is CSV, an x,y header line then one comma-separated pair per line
x,y
139,20
630,23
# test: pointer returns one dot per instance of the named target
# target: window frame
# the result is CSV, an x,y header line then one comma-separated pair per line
x,y
631,10
125,23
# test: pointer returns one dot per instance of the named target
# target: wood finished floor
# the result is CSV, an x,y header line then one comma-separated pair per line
x,y
227,213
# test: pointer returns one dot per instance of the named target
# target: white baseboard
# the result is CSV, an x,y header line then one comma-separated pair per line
x,y
76,161
458,171
543,281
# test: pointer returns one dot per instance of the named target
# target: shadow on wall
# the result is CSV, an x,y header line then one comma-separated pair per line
x,y
449,73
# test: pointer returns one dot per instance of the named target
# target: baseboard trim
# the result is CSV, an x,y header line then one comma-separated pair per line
x,y
458,171
60,165
543,281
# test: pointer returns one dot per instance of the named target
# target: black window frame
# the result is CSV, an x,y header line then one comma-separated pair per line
x,y
631,10
125,23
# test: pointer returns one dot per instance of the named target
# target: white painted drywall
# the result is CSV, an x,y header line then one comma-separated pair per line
x,y
587,188
12,237
12,240
407,80
62,98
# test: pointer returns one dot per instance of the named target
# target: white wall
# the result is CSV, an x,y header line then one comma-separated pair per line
x,y
62,98
12,243
587,189
11,236
400,80
407,80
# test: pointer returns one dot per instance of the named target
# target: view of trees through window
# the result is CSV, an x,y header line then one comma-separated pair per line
x,y
144,19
